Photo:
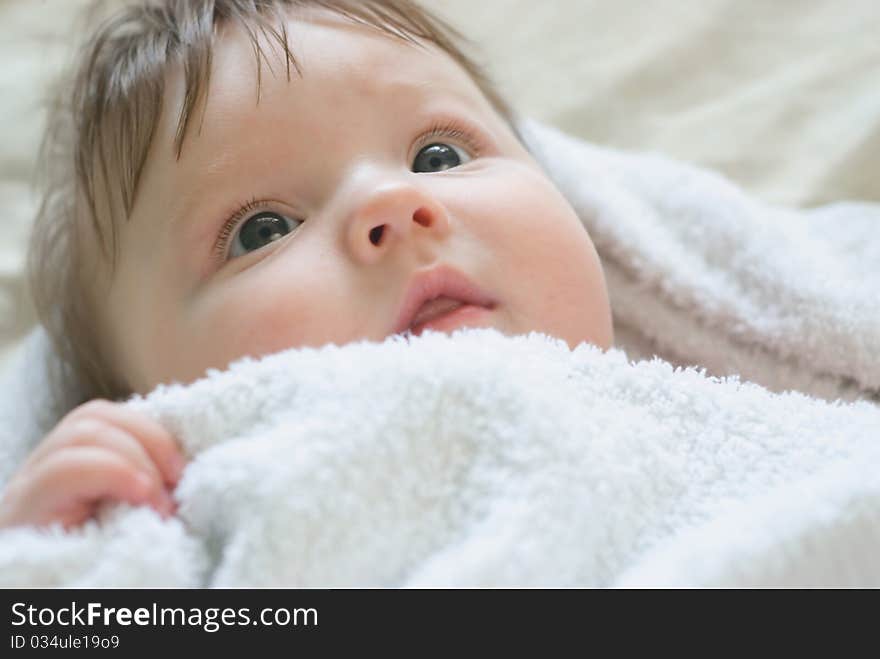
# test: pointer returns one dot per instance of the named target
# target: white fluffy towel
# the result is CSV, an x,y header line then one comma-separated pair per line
x,y
483,460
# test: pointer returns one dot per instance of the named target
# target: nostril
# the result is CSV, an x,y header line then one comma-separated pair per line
x,y
423,217
376,234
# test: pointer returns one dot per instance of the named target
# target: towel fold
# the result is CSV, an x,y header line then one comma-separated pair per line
x,y
700,273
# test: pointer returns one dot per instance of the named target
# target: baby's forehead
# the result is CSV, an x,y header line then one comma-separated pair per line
x,y
359,58
325,37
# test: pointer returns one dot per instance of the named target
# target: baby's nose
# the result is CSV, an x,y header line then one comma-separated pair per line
x,y
394,215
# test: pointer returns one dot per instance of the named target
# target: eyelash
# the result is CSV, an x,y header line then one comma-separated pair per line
x,y
222,244
452,130
448,129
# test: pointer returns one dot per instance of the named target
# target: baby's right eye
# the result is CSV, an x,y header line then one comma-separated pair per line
x,y
439,157
258,231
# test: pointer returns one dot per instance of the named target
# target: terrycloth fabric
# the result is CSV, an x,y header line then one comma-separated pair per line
x,y
483,460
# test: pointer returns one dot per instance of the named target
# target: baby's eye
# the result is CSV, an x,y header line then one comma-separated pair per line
x,y
258,231
439,157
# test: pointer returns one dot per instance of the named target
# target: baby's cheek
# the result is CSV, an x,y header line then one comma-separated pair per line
x,y
525,214
508,201
261,318
554,273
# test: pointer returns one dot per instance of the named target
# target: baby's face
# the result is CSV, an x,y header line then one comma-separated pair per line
x,y
308,218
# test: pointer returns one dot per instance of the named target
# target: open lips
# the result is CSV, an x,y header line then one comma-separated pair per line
x,y
441,299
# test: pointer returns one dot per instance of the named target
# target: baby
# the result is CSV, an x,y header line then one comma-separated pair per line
x,y
241,178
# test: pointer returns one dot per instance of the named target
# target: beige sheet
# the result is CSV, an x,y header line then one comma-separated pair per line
x,y
784,97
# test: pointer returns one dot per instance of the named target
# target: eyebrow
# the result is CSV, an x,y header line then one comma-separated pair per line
x,y
197,188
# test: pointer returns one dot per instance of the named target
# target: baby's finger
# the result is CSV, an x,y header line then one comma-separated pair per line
x,y
87,474
159,444
89,431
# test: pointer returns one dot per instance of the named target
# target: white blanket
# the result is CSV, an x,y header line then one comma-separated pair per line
x,y
482,460
479,459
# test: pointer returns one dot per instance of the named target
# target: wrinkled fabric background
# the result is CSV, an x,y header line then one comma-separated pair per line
x,y
782,97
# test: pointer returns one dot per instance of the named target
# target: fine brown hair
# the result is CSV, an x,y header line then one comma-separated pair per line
x,y
101,125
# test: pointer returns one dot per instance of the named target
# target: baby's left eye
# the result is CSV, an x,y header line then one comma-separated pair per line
x,y
439,157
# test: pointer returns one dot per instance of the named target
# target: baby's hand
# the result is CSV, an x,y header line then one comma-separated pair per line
x,y
101,451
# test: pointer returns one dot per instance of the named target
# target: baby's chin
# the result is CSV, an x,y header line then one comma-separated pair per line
x,y
603,340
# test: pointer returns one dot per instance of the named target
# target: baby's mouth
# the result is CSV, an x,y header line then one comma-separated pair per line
x,y
446,314
441,298
433,309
